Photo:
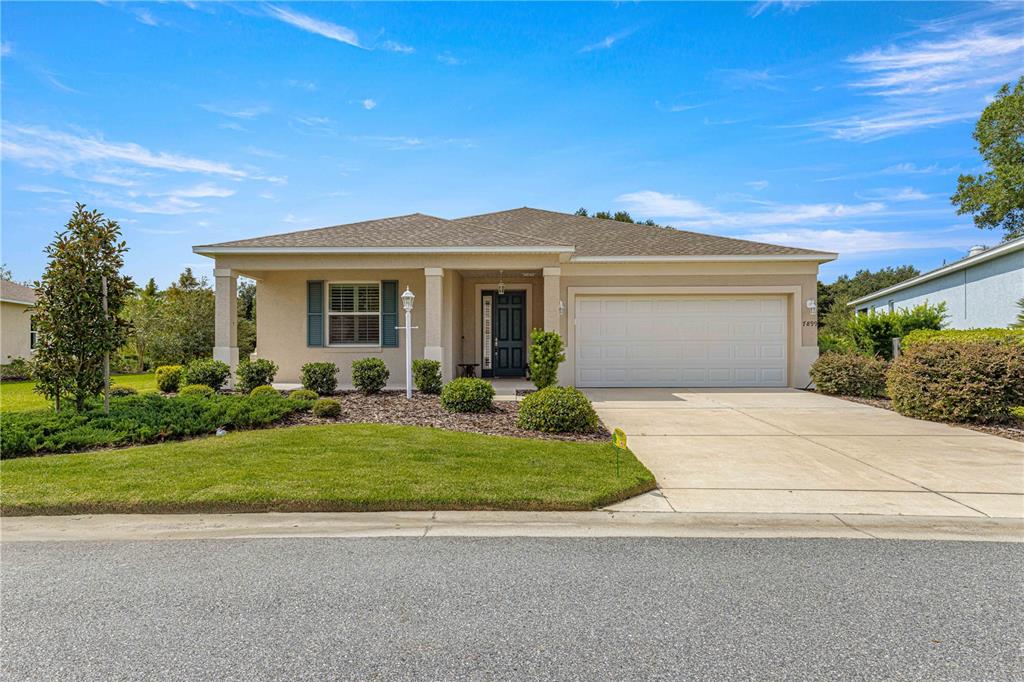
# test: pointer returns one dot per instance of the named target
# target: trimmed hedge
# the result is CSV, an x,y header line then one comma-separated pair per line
x,y
253,373
212,373
135,420
168,378
196,391
19,369
325,408
557,409
467,395
873,332
264,389
944,379
369,375
546,352
849,374
426,376
320,377
997,334
117,391
303,394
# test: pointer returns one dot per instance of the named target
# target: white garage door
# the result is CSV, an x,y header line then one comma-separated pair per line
x,y
681,341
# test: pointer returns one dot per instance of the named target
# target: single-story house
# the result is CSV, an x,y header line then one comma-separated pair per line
x,y
980,290
637,305
17,336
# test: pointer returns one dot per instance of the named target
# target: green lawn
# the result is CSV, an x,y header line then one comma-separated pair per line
x,y
19,396
348,467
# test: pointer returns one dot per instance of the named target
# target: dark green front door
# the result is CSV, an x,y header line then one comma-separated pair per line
x,y
509,334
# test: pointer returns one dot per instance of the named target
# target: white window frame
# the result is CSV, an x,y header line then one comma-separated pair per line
x,y
33,334
328,314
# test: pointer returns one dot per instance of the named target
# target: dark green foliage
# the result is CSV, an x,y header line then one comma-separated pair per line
x,y
834,297
369,375
873,332
121,391
426,375
320,377
74,331
168,378
212,373
135,420
263,389
546,352
467,395
303,394
326,408
949,379
830,343
996,197
196,391
186,320
253,373
997,334
849,374
18,369
557,409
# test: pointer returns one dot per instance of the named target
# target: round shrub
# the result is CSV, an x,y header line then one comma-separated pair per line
x,y
303,394
849,374
263,390
196,390
212,373
325,408
467,395
981,380
253,373
320,377
557,409
426,375
369,375
121,391
168,378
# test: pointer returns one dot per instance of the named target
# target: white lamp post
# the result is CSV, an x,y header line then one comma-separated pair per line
x,y
407,298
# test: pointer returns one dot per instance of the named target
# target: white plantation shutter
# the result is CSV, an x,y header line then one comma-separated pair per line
x,y
353,314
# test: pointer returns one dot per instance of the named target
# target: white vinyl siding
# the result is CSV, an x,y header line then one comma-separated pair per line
x,y
353,314
681,341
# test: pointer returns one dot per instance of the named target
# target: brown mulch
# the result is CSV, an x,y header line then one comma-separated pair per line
x,y
392,407
1012,430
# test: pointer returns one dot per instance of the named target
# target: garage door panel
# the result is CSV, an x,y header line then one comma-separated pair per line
x,y
681,341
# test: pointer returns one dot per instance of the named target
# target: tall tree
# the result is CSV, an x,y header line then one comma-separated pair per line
x,y
833,312
186,321
246,317
144,312
996,197
74,330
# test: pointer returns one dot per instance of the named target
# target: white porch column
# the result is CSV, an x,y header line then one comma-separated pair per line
x,y
434,314
225,338
552,297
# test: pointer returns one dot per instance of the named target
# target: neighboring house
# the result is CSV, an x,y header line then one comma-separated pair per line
x,y
17,337
980,290
637,305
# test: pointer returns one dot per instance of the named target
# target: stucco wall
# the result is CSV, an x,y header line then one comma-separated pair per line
x,y
15,324
982,295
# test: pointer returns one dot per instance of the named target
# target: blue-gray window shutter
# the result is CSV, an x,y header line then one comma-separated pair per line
x,y
315,313
389,313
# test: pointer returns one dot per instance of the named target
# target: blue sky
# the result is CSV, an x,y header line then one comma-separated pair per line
x,y
840,126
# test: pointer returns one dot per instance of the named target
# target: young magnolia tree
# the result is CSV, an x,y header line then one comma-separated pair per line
x,y
74,331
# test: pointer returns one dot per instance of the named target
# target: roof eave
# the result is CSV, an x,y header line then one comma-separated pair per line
x,y
818,257
11,300
214,250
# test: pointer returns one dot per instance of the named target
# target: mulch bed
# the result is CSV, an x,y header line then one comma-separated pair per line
x,y
1013,431
392,407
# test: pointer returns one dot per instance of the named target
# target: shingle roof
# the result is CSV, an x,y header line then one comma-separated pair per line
x,y
528,228
12,292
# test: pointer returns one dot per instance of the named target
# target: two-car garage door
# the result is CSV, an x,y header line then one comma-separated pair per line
x,y
681,341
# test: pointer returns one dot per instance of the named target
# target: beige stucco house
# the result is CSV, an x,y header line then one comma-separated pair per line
x,y
17,337
637,305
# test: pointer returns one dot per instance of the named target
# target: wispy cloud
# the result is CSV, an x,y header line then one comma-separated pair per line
x,y
157,231
40,189
896,169
608,41
52,79
319,27
144,16
309,86
871,127
449,60
757,184
748,79
201,191
265,153
369,104
394,46
787,6
236,112
6,49
895,194
679,106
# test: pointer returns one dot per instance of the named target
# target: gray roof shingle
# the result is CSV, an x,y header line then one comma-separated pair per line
x,y
17,293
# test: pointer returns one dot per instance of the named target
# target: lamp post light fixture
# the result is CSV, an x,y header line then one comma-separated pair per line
x,y
407,299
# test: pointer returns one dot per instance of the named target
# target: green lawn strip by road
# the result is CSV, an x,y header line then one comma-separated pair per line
x,y
348,467
20,396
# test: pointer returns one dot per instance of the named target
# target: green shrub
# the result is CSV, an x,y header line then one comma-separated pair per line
x,y
557,409
849,374
546,352
168,378
253,373
980,380
303,394
426,375
136,420
832,343
320,377
18,369
467,395
212,373
264,389
326,408
997,334
117,391
369,375
1017,412
873,332
196,390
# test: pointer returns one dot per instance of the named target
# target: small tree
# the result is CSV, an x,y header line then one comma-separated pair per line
x,y
546,352
144,314
74,331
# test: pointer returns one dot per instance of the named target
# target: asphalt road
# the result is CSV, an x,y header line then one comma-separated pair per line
x,y
526,608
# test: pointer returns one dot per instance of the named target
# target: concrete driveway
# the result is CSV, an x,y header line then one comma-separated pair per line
x,y
792,451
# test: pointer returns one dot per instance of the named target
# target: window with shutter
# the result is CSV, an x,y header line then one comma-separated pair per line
x,y
353,314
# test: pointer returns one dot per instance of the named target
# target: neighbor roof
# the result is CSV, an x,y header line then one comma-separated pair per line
x,y
12,292
517,230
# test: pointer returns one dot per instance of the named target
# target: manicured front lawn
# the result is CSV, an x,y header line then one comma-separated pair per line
x,y
19,396
348,467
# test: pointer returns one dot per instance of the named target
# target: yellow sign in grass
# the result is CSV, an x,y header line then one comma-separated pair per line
x,y
620,438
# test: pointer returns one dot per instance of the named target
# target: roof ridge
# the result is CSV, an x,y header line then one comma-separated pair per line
x,y
547,242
